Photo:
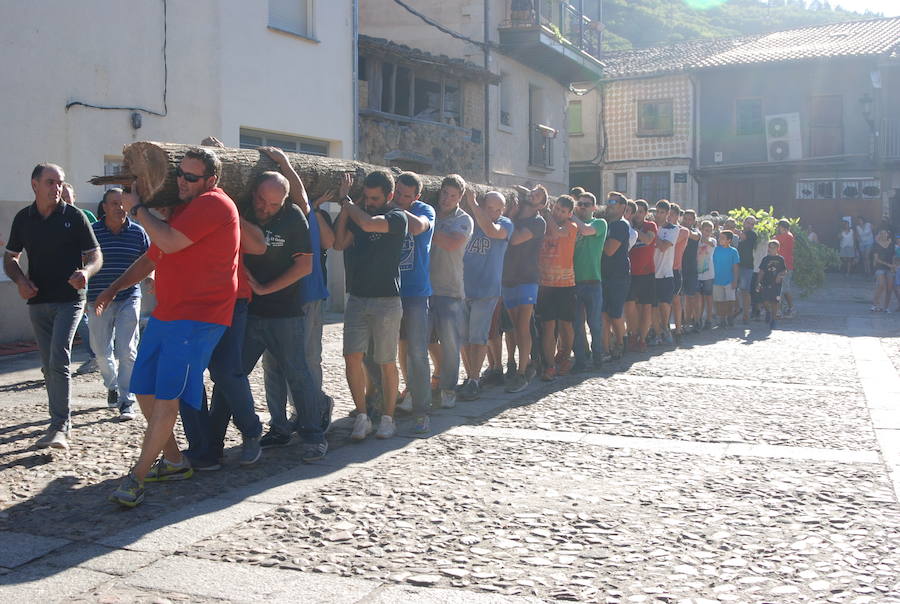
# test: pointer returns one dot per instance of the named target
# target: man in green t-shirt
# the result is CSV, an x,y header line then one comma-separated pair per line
x,y
588,289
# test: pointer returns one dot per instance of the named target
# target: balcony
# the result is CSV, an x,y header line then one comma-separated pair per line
x,y
554,37
889,139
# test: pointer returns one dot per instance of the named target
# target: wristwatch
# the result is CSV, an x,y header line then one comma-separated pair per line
x,y
134,210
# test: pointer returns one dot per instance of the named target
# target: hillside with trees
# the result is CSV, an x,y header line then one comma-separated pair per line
x,y
643,23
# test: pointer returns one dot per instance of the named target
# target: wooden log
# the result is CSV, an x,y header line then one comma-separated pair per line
x,y
151,166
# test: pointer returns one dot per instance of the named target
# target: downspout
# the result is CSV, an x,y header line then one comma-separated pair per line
x,y
695,134
355,68
487,90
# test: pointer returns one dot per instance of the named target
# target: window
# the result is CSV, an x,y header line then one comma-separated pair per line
x,y
292,16
653,186
111,167
251,139
575,125
506,102
748,117
540,145
655,118
620,182
826,126
406,92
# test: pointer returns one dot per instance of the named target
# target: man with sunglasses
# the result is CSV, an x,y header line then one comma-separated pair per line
x,y
588,283
616,269
195,255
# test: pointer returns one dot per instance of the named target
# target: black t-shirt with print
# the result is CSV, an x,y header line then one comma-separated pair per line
x,y
287,236
770,268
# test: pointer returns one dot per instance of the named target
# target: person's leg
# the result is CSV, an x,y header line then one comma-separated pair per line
x,y
566,334
594,318
645,311
126,341
448,322
41,316
521,316
161,416
284,338
356,343
580,342
101,331
385,317
417,376
548,341
313,325
66,317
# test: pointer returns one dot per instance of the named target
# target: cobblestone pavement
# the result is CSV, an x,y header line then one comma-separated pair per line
x,y
743,466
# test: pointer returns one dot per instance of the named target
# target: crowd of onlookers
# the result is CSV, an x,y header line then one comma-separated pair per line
x,y
563,285
872,251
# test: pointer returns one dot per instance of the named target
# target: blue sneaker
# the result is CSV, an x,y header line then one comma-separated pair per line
x,y
423,425
129,493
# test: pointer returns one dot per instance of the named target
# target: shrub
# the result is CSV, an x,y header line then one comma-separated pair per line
x,y
810,259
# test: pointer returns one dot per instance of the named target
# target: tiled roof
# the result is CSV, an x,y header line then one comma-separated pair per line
x,y
854,38
460,67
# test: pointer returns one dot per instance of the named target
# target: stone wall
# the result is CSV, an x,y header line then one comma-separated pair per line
x,y
427,147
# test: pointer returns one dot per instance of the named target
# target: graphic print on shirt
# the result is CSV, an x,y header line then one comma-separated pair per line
x,y
479,245
408,253
274,239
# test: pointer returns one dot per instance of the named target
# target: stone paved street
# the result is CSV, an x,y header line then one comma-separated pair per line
x,y
744,466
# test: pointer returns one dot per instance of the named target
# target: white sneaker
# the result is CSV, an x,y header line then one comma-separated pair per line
x,y
386,428
406,405
448,399
362,427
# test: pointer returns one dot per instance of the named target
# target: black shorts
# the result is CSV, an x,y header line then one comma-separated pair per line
x,y
556,303
643,289
614,293
676,274
665,290
690,285
771,293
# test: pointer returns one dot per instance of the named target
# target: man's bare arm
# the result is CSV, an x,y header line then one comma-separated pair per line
x,y
139,270
297,192
343,236
584,229
449,242
253,240
326,233
301,267
364,220
417,224
27,289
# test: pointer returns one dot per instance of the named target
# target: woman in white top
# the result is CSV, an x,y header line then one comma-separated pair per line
x,y
847,247
865,239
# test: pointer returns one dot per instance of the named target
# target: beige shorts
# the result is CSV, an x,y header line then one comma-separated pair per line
x,y
723,293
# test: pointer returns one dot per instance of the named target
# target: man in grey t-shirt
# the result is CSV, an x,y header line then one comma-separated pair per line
x,y
452,231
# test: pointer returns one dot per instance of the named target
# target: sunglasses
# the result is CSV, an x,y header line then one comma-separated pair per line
x,y
584,204
179,173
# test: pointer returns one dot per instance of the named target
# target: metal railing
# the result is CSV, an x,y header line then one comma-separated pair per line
x,y
890,138
560,18
540,149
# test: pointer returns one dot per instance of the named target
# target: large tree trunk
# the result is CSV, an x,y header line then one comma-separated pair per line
x,y
152,166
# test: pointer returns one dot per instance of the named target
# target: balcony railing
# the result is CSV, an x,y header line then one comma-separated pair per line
x,y
560,18
540,149
890,138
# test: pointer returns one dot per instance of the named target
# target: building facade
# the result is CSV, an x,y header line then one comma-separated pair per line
x,y
245,72
514,113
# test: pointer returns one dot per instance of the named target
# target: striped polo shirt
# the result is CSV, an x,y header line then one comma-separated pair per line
x,y
119,252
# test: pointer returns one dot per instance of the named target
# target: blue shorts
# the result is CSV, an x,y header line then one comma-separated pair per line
x,y
520,295
172,357
745,279
478,313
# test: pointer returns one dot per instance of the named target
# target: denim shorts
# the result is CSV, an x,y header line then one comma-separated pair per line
x,y
375,319
477,316
172,357
520,295
745,279
705,286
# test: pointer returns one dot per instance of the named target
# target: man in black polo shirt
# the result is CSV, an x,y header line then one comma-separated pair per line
x,y
62,255
275,315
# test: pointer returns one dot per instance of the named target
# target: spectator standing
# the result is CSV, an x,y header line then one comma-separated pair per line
x,y
675,214
771,269
706,271
847,247
883,263
746,246
642,296
664,270
786,249
114,333
63,255
616,271
865,239
726,261
689,273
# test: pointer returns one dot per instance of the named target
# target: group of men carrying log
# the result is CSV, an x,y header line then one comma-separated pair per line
x,y
236,283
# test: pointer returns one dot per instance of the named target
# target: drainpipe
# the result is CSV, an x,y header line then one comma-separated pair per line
x,y
486,137
355,62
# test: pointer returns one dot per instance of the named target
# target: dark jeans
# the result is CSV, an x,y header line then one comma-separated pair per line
x,y
588,306
231,397
283,338
54,325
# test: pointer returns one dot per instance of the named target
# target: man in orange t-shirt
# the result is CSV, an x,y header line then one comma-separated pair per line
x,y
556,294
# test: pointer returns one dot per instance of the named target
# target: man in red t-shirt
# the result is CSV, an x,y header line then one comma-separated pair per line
x,y
642,295
195,255
786,249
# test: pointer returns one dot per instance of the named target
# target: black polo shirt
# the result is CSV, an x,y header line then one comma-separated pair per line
x,y
54,246
373,261
287,236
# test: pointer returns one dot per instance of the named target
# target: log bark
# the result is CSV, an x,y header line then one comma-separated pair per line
x,y
151,166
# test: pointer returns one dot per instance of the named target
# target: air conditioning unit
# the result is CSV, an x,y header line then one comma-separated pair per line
x,y
783,137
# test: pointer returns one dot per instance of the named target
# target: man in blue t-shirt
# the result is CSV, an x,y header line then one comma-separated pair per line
x,y
114,334
415,289
726,262
482,272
